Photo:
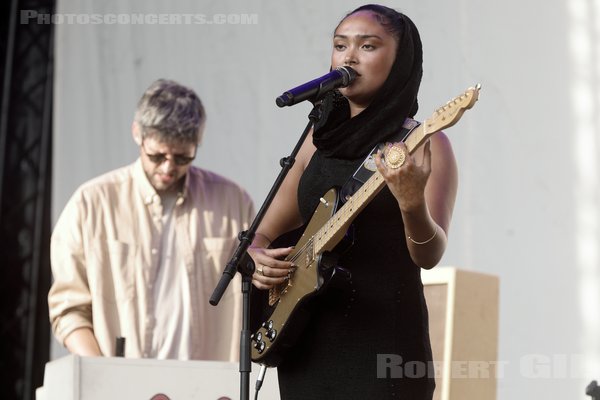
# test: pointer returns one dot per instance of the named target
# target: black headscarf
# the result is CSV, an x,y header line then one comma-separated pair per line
x,y
339,136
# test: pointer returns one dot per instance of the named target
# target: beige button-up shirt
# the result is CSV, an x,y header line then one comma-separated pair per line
x,y
104,261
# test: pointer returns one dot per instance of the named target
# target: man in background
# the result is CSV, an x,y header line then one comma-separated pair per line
x,y
137,252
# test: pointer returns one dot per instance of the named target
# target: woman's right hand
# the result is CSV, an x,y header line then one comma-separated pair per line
x,y
270,268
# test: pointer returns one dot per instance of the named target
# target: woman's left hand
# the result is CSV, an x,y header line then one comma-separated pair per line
x,y
406,181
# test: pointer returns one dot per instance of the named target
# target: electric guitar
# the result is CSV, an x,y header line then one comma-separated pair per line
x,y
289,302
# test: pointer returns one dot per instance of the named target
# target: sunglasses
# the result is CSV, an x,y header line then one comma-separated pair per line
x,y
160,158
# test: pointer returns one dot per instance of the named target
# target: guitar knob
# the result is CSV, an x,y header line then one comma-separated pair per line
x,y
256,337
268,325
271,334
260,346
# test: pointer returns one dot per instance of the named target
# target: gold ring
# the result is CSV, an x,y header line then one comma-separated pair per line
x,y
260,271
395,157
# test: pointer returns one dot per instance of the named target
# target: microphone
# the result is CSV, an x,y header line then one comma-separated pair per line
x,y
317,88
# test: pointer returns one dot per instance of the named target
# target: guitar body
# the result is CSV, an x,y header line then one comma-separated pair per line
x,y
289,315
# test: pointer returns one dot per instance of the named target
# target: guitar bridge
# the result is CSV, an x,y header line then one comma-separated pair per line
x,y
274,295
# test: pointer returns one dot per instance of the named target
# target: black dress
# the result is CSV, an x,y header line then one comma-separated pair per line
x,y
371,341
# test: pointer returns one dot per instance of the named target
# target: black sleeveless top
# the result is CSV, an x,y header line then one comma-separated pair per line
x,y
369,340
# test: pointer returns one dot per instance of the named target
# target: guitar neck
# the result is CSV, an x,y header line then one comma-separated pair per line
x,y
417,137
329,235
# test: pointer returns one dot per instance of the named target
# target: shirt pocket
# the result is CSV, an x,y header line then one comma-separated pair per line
x,y
113,276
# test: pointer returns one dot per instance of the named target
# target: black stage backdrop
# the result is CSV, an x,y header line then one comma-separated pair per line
x,y
25,173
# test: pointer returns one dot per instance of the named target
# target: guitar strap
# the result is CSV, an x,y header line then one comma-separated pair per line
x,y
368,166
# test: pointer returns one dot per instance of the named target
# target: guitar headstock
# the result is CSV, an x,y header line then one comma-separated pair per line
x,y
449,114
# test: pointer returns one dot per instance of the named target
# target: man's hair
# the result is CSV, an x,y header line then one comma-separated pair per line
x,y
170,113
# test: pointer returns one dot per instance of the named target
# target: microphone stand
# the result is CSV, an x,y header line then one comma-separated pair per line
x,y
241,262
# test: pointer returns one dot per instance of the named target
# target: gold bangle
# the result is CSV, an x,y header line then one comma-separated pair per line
x,y
426,241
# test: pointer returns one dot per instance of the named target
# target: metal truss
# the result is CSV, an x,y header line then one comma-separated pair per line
x,y
25,183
